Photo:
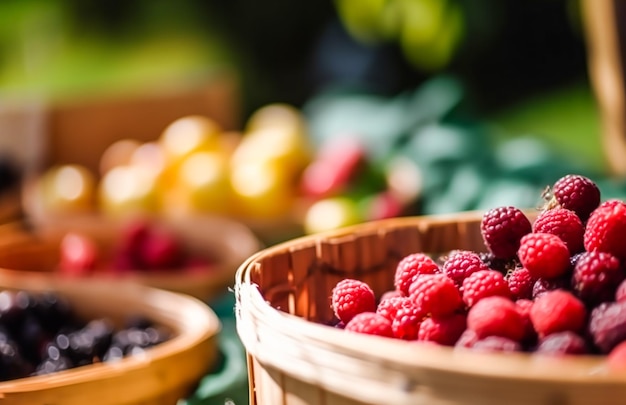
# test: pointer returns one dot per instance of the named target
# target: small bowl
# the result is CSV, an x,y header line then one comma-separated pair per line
x,y
222,242
164,374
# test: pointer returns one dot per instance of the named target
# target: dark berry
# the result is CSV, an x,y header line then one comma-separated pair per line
x,y
577,193
562,343
596,277
563,223
502,228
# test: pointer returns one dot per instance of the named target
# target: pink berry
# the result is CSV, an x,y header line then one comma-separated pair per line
x,y
435,294
521,283
544,255
442,330
563,223
461,263
406,321
410,267
605,230
370,323
557,311
79,254
388,307
351,297
496,316
502,228
482,284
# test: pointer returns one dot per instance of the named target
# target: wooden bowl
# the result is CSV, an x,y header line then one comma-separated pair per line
x,y
224,242
283,307
166,373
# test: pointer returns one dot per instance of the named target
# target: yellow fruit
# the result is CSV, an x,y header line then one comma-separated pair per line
x,y
129,189
149,155
262,190
276,115
203,183
67,188
330,214
117,154
188,135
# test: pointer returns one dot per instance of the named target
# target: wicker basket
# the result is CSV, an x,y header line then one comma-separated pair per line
x,y
167,372
283,301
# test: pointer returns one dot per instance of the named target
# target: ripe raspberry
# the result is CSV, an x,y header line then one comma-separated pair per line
x,y
467,338
557,311
620,293
563,223
543,285
370,323
351,297
605,230
388,307
461,264
607,325
502,228
435,294
406,321
445,331
410,267
523,307
610,203
596,277
496,316
616,360
521,283
562,343
390,294
484,283
577,193
496,344
544,255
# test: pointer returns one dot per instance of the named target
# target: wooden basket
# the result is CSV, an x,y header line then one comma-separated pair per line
x,y
165,374
226,242
283,301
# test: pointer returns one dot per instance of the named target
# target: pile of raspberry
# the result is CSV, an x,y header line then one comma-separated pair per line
x,y
555,286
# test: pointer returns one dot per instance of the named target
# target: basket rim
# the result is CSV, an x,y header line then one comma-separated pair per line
x,y
412,356
195,327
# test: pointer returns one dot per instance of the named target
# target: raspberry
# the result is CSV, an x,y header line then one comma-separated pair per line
x,y
390,294
484,283
494,263
370,323
406,322
616,360
496,344
543,285
523,307
435,294
445,331
520,283
502,228
388,307
496,316
596,277
410,267
605,230
467,339
557,311
351,297
620,293
562,343
563,223
577,193
607,325
461,264
544,255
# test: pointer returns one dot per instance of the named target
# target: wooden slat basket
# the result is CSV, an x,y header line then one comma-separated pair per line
x,y
283,308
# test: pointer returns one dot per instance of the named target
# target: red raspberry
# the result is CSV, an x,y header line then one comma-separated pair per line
x,y
461,264
435,294
370,323
596,277
561,343
607,325
557,311
390,294
410,267
445,331
605,230
563,223
616,360
521,283
502,228
544,255
406,321
467,338
610,203
523,307
351,297
388,307
543,285
484,283
496,344
496,316
620,293
577,193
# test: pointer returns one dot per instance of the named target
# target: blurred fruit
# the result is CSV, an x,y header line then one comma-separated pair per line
x,y
160,250
189,134
404,179
127,190
276,115
331,213
117,154
79,254
203,184
67,188
149,155
380,206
